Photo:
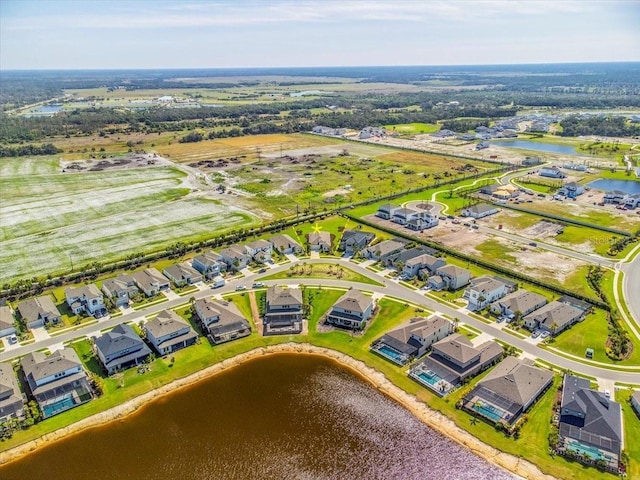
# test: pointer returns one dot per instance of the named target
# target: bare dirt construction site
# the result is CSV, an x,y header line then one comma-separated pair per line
x,y
532,261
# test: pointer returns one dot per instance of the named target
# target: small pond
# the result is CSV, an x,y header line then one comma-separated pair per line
x,y
538,146
607,185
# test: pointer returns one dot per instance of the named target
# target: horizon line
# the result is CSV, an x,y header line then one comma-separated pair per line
x,y
117,69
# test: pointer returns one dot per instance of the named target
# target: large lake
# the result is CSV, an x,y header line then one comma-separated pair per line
x,y
279,417
538,146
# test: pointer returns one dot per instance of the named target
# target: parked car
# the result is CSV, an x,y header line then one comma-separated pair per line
x,y
13,339
544,334
258,284
535,334
607,393
262,270
241,287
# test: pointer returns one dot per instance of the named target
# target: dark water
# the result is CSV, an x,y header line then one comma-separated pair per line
x,y
538,146
280,417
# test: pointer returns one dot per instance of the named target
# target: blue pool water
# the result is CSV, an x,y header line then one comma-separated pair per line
x,y
488,411
586,450
429,377
57,407
606,185
391,353
537,146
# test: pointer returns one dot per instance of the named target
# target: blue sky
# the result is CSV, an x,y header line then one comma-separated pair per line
x,y
67,34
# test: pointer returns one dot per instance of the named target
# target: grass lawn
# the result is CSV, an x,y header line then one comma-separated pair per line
x,y
592,332
322,270
413,128
631,423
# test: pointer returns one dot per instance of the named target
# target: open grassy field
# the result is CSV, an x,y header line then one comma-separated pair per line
x,y
413,128
592,332
55,221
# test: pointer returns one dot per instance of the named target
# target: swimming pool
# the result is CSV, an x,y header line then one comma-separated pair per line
x,y
488,411
429,377
391,354
57,407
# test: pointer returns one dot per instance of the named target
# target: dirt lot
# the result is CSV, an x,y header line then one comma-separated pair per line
x,y
535,262
134,160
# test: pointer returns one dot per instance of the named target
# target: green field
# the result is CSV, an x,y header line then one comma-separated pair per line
x,y
321,271
413,128
56,222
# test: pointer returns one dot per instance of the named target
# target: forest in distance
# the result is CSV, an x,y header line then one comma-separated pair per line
x,y
460,98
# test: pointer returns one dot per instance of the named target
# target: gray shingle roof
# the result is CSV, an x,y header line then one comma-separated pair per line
x,y
457,347
599,422
38,365
166,323
121,337
354,300
516,380
278,296
32,308
6,317
284,242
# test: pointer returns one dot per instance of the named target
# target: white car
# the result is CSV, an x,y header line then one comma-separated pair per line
x,y
544,334
607,394
241,287
535,334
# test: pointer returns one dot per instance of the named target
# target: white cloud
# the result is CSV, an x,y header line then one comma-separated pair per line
x,y
229,14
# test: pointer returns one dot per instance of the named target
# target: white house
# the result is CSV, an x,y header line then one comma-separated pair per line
x,y
235,257
319,241
522,301
480,211
86,299
259,250
551,172
209,264
386,211
424,261
453,277
120,289
483,291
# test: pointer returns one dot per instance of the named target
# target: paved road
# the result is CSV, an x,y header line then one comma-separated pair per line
x,y
389,288
585,257
631,286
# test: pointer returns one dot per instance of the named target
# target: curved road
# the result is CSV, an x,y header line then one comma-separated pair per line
x,y
389,288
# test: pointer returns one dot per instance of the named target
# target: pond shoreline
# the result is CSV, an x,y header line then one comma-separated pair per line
x,y
420,410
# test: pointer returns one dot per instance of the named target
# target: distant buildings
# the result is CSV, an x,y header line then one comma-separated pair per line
x,y
551,172
480,211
